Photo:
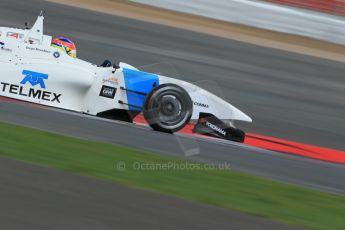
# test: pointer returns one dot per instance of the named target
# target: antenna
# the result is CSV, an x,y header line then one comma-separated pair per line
x,y
36,32
42,13
27,25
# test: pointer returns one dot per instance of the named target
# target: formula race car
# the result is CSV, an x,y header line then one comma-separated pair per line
x,y
40,69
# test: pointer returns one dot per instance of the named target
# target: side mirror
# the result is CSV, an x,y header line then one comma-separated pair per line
x,y
115,66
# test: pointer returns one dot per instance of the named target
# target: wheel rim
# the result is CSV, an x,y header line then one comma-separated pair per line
x,y
170,110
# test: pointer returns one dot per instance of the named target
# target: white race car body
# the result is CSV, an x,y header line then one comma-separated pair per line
x,y
31,70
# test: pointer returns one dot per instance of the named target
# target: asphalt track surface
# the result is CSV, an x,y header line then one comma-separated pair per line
x,y
289,96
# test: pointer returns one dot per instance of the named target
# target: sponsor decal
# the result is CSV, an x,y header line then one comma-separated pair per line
x,y
111,80
200,104
2,47
34,41
56,54
38,49
15,35
216,128
108,92
34,78
32,93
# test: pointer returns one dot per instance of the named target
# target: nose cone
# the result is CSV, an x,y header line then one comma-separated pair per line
x,y
239,115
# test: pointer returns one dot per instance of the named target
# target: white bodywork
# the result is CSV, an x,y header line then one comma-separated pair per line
x,y
31,70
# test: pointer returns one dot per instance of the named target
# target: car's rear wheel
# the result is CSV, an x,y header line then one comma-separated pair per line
x,y
168,108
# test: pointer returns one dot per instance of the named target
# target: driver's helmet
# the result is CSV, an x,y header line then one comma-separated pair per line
x,y
65,45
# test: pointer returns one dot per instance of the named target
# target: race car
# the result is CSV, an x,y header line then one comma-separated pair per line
x,y
40,69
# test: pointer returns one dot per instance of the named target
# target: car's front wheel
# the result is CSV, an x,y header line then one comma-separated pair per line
x,y
168,108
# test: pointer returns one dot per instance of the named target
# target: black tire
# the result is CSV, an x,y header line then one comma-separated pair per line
x,y
168,108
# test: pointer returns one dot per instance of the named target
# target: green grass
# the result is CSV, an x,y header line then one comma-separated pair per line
x,y
225,188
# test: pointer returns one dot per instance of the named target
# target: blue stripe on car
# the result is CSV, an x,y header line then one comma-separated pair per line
x,y
141,82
